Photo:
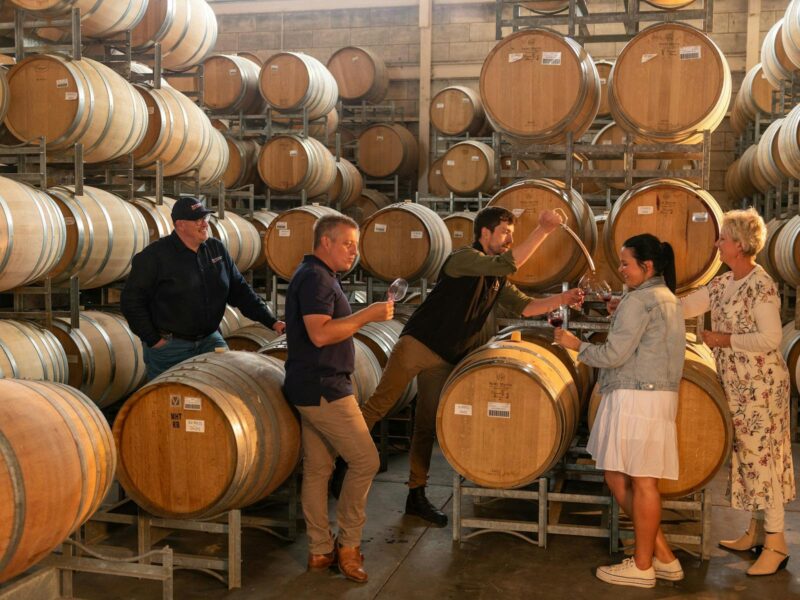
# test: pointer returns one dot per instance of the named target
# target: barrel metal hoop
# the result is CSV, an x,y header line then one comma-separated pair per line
x,y
10,241
18,492
112,357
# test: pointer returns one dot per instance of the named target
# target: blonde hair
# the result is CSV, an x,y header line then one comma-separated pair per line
x,y
747,228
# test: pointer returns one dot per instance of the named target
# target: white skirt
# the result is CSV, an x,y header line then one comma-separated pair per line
x,y
634,433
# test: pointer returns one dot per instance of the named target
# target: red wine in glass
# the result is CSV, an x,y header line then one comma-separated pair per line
x,y
556,321
607,296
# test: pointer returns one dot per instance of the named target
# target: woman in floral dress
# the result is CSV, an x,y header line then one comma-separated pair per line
x,y
745,338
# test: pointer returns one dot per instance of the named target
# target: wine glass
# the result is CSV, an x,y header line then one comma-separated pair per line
x,y
397,290
556,318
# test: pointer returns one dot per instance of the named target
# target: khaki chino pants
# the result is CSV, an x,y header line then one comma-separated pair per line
x,y
411,358
331,429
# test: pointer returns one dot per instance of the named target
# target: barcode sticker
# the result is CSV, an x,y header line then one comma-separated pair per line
x,y
71,96
514,57
440,105
463,409
450,163
285,233
190,403
551,58
648,57
380,228
281,225
195,426
517,212
501,410
458,234
690,52
62,83
645,210
700,217
416,235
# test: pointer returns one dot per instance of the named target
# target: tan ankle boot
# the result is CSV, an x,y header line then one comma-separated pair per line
x,y
754,536
773,557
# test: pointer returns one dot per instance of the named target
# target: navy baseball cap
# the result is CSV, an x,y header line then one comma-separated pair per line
x,y
188,208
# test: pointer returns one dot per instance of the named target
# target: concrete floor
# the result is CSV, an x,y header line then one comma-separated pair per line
x,y
406,559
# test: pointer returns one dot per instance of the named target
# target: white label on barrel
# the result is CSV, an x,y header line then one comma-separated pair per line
x,y
551,58
380,228
463,409
71,96
517,212
438,171
440,105
416,235
450,163
72,358
274,67
69,220
500,410
514,57
62,83
232,71
606,142
151,110
648,57
195,426
355,58
190,403
603,81
465,101
292,153
474,158
645,210
285,233
690,52
700,217
281,225
379,138
458,234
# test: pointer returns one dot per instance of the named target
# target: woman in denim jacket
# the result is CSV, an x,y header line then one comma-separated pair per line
x,y
634,439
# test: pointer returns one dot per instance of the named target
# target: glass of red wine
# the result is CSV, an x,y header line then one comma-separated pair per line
x,y
556,318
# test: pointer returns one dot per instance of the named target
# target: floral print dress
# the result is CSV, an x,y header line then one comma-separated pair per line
x,y
756,385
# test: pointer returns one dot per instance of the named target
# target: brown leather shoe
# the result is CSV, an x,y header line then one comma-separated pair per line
x,y
351,563
321,561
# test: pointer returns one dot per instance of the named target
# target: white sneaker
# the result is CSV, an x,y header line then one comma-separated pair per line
x,y
670,571
627,573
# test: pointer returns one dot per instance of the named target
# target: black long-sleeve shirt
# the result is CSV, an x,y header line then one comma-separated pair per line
x,y
176,290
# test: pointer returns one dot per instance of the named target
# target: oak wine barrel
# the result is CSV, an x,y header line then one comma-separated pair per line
x,y
106,360
104,232
347,186
242,162
230,85
537,85
158,217
233,320
230,440
669,84
614,134
546,7
33,234
436,185
71,101
768,158
360,75
790,350
261,220
738,176
675,211
240,237
98,19
669,4
468,168
779,47
458,110
604,72
461,226
753,98
558,258
766,258
510,436
29,351
186,30
703,421
250,338
787,252
293,81
57,461
789,144
405,240
290,163
290,236
603,270
387,149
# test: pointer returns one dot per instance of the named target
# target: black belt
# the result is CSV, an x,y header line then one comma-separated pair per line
x,y
180,336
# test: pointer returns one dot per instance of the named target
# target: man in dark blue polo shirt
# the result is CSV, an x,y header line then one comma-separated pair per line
x,y
177,290
319,331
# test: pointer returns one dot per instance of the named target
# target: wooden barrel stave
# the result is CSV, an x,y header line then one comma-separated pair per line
x,y
468,168
292,82
458,110
360,74
461,226
387,149
28,351
289,163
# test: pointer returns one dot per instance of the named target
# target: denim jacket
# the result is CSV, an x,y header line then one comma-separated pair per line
x,y
646,343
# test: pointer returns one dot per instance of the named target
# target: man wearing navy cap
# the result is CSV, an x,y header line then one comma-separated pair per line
x,y
177,290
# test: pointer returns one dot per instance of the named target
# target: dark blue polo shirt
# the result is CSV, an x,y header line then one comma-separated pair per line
x,y
313,372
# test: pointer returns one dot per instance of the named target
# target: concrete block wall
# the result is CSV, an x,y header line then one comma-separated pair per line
x,y
465,34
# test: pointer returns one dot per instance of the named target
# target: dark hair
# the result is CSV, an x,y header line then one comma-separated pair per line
x,y
490,217
648,247
325,226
